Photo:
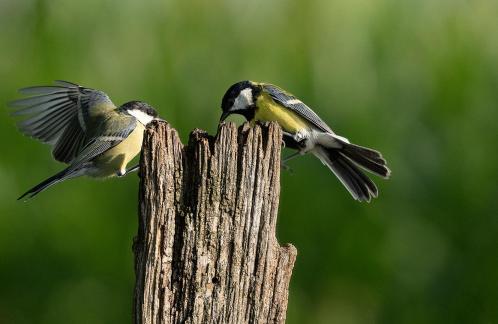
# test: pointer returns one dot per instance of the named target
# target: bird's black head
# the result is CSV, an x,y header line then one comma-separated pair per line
x,y
240,98
142,111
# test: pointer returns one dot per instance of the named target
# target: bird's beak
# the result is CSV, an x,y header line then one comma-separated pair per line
x,y
224,116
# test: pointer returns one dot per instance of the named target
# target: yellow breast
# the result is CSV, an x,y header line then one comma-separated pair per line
x,y
268,110
116,159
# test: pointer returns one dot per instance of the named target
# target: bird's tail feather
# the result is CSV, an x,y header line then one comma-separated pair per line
x,y
355,181
367,158
61,176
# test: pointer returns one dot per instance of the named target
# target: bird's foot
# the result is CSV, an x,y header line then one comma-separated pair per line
x,y
286,167
133,169
290,157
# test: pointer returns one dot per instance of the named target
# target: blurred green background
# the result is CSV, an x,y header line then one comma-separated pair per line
x,y
417,80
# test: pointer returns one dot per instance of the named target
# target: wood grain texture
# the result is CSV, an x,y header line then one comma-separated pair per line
x,y
206,250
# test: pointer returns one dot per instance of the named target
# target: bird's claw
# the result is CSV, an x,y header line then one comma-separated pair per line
x,y
130,170
286,167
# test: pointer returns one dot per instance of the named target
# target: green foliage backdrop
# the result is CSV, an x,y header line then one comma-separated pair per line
x,y
416,79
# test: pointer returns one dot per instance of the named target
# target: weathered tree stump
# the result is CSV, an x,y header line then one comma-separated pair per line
x,y
206,250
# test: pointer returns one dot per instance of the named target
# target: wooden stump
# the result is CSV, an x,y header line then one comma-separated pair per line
x,y
206,250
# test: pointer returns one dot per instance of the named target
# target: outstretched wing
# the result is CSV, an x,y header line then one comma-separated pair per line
x,y
114,131
291,102
59,115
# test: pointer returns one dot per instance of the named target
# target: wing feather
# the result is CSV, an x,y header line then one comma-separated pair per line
x,y
47,130
48,112
70,142
106,140
35,90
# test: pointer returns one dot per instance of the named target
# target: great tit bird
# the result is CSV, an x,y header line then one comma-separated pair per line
x,y
304,131
85,129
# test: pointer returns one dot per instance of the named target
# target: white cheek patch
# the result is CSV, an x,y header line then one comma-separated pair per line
x,y
243,100
141,116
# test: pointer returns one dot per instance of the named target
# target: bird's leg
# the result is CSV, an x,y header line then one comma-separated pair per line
x,y
284,165
132,169
289,141
286,135
290,157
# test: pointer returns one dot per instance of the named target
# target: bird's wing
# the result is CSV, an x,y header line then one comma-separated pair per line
x,y
59,115
120,128
291,102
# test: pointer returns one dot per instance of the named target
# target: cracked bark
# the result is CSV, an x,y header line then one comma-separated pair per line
x,y
206,250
